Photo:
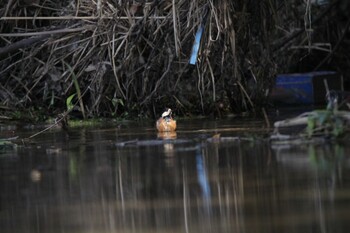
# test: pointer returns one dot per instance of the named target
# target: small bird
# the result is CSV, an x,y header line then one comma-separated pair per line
x,y
166,123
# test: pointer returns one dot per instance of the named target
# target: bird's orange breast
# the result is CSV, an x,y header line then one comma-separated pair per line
x,y
166,125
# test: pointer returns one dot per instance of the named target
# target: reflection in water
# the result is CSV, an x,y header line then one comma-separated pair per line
x,y
168,147
90,185
167,135
202,175
323,165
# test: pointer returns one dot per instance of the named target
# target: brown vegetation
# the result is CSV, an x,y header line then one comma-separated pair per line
x,y
118,57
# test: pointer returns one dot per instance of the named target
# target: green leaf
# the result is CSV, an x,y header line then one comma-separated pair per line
x,y
338,128
310,126
77,88
69,102
322,117
116,101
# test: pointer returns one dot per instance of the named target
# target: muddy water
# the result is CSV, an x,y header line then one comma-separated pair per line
x,y
126,178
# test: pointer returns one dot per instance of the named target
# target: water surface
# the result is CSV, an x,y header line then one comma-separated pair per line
x,y
127,178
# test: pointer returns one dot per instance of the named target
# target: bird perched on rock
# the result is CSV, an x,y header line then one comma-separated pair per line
x,y
166,123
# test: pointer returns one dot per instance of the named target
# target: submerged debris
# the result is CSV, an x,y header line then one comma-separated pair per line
x,y
155,142
317,125
7,144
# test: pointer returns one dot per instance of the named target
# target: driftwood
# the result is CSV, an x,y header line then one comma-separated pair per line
x,y
319,124
302,119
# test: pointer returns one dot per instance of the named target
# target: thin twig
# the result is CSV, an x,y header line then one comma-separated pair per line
x,y
59,31
175,29
68,17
